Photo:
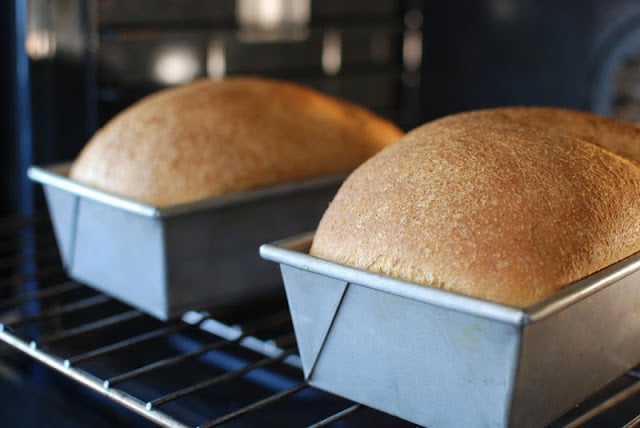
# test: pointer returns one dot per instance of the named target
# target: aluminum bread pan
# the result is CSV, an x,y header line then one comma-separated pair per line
x,y
168,260
437,358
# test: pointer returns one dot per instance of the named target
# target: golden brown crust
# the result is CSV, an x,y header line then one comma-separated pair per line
x,y
615,135
214,137
498,204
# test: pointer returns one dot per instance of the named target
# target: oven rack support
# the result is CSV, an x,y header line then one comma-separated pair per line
x,y
57,322
89,381
225,335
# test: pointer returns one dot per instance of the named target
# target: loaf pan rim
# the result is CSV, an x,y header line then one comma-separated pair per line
x,y
56,175
288,251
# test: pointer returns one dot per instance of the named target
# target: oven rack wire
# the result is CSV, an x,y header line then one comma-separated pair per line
x,y
232,366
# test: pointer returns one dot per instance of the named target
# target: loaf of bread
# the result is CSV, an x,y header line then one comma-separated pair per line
x,y
614,135
211,138
508,205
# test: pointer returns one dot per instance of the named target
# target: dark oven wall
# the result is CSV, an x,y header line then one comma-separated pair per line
x,y
411,61
7,118
572,53
89,59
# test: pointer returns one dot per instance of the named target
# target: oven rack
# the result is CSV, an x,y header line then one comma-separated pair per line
x,y
231,366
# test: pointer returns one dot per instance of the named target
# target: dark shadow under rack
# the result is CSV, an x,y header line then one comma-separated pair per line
x,y
233,366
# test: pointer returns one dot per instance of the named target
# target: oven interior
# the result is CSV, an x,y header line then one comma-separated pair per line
x,y
71,356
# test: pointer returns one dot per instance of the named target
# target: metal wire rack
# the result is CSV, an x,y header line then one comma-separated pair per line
x,y
231,366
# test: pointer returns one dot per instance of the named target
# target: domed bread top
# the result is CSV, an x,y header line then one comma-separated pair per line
x,y
211,137
508,205
617,136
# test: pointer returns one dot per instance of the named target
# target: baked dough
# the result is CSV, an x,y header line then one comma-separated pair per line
x,y
210,138
508,205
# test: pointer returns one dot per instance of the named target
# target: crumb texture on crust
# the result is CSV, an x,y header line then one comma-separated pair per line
x,y
210,138
508,205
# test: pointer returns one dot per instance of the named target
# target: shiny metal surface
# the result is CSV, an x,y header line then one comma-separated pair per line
x,y
229,366
419,350
236,366
89,381
181,257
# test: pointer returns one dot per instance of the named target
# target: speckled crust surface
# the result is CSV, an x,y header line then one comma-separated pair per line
x,y
210,138
615,135
508,205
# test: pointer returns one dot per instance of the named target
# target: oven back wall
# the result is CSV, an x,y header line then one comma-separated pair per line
x,y
503,52
7,118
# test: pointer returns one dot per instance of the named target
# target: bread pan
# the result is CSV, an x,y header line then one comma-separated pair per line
x,y
440,359
168,260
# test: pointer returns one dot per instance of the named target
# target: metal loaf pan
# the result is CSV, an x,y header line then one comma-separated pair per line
x,y
440,359
168,260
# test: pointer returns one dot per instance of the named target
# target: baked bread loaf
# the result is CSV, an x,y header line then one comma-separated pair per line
x,y
615,135
508,205
210,138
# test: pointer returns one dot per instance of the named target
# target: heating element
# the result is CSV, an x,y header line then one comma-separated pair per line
x,y
231,366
